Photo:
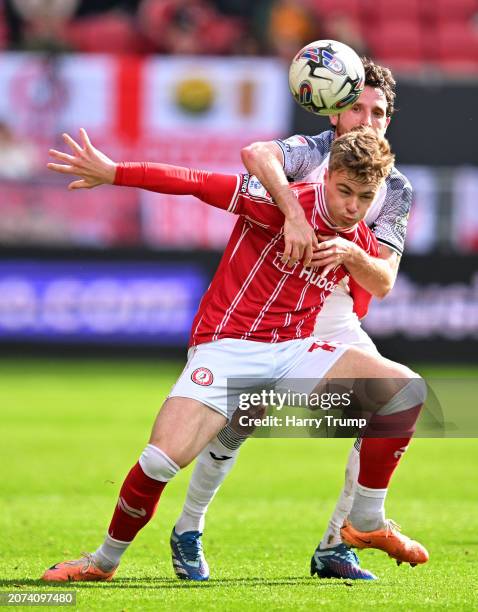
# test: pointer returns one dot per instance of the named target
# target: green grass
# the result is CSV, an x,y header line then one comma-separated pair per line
x,y
71,430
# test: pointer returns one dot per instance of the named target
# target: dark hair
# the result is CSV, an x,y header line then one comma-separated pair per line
x,y
379,76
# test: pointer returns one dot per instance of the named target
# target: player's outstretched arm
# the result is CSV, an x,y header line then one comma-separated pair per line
x,y
95,168
264,160
91,165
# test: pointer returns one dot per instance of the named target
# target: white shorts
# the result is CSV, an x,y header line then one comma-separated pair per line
x,y
212,368
353,336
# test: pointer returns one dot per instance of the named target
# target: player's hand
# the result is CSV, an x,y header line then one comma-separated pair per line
x,y
300,241
91,165
331,252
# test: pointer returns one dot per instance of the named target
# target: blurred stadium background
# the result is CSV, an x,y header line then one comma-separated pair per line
x,y
118,273
190,82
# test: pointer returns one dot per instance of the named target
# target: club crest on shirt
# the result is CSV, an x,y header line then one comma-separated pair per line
x,y
282,267
202,376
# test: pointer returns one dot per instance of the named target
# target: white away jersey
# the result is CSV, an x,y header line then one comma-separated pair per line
x,y
307,157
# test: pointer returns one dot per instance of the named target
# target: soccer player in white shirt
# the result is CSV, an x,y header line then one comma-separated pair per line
x,y
304,158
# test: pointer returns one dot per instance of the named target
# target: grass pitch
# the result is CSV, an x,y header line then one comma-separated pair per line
x,y
71,430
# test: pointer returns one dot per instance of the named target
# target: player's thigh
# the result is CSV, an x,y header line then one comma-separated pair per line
x,y
375,379
218,373
358,363
183,427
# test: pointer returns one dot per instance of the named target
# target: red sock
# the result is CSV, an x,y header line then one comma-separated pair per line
x,y
136,505
380,456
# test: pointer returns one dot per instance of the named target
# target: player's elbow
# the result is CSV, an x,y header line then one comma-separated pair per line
x,y
383,289
255,154
251,154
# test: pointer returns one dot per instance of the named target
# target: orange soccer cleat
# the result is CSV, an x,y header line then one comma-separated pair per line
x,y
389,539
84,569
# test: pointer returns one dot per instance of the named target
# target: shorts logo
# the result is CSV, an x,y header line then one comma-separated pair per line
x,y
325,346
202,376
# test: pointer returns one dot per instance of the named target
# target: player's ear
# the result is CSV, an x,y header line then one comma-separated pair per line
x,y
326,176
334,120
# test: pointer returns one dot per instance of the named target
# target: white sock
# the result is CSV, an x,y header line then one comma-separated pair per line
x,y
212,466
109,554
368,513
331,536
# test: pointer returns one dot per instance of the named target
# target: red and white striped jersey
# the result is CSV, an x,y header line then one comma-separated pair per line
x,y
253,295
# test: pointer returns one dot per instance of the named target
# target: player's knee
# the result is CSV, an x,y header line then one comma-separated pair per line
x,y
417,389
157,465
412,395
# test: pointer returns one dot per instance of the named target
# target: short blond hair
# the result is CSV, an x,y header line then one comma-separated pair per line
x,y
363,154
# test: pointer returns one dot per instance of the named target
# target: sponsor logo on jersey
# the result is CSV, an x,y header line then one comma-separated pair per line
x,y
313,277
202,376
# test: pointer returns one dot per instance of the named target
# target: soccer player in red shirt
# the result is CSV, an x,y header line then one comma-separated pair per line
x,y
255,321
276,164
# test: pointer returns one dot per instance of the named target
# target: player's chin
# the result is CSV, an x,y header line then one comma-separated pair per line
x,y
349,221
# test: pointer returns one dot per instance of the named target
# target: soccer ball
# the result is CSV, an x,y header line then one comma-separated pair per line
x,y
326,77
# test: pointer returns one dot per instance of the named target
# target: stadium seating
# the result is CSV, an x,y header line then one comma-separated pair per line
x,y
457,46
331,8
398,44
449,10
3,27
109,33
386,11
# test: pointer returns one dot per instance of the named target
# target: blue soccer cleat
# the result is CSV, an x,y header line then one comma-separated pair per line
x,y
338,562
187,556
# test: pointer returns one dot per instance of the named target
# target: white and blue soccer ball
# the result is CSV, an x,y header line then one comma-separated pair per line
x,y
326,77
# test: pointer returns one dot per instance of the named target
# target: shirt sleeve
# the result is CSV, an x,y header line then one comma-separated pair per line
x,y
390,226
303,154
216,189
256,204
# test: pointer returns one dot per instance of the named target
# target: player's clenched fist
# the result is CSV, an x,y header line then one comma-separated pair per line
x,y
87,162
